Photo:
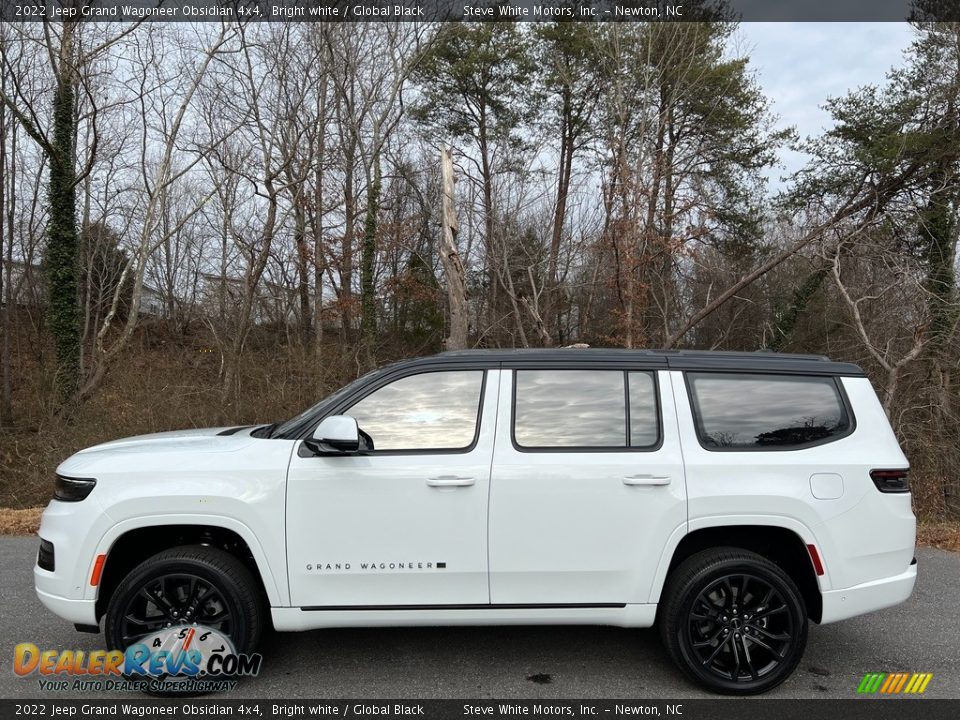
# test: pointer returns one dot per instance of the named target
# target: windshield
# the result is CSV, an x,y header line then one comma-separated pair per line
x,y
296,425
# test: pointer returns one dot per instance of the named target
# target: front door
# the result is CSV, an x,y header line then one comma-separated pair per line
x,y
587,486
403,524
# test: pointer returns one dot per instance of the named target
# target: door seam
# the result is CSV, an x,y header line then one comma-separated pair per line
x,y
493,453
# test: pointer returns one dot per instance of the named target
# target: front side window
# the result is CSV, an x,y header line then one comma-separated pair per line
x,y
430,411
766,412
570,409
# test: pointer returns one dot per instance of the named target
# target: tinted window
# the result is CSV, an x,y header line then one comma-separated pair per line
x,y
570,408
766,411
644,418
430,411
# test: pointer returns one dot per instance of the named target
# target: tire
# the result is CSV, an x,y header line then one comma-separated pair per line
x,y
733,621
232,590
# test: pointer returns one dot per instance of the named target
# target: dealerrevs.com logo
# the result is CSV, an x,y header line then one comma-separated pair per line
x,y
899,683
188,659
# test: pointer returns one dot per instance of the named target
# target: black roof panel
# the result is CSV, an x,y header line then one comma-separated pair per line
x,y
759,361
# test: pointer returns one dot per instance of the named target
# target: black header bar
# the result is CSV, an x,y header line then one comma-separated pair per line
x,y
479,10
216,707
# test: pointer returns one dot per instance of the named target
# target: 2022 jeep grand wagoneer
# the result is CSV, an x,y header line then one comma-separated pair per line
x,y
728,497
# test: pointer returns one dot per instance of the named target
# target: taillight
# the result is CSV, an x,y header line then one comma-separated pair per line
x,y
891,481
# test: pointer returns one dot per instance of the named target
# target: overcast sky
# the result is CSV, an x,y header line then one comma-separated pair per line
x,y
800,65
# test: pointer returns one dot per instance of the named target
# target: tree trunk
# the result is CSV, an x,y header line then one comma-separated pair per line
x,y
368,299
346,264
303,277
450,256
554,310
6,405
493,272
319,263
63,311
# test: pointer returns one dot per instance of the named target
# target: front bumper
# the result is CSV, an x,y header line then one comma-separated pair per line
x,y
80,612
869,596
73,529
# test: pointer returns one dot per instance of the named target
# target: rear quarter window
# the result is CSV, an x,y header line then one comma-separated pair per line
x,y
767,412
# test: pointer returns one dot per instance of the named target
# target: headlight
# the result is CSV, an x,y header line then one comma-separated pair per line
x,y
72,489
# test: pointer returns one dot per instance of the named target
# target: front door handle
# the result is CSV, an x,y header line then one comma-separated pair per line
x,y
450,481
646,480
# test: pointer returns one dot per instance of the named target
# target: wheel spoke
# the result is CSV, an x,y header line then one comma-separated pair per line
x,y
767,598
754,639
218,617
161,603
768,613
716,651
145,622
728,590
748,658
191,594
203,596
735,673
705,643
710,608
779,637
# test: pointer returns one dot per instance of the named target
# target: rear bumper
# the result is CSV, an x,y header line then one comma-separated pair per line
x,y
869,596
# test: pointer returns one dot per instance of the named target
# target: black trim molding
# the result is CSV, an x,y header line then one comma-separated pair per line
x,y
466,606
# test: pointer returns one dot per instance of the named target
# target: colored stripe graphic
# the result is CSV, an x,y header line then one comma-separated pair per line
x,y
889,682
894,683
901,682
871,683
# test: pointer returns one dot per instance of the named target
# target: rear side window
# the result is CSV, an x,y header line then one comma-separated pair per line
x,y
585,409
766,412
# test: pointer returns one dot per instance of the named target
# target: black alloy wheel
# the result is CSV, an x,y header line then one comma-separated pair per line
x,y
734,621
175,599
186,586
740,627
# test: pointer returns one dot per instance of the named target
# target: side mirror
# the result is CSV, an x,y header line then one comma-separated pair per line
x,y
335,434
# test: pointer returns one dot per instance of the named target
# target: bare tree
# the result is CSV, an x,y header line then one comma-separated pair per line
x,y
450,255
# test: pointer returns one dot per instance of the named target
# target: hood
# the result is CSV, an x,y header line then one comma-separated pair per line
x,y
192,440
196,455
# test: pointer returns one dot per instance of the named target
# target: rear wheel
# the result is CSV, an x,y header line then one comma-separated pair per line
x,y
733,621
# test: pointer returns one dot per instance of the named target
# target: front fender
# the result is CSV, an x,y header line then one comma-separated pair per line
x,y
274,579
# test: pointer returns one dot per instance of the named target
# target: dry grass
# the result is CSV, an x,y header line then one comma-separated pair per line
x,y
19,522
943,535
161,385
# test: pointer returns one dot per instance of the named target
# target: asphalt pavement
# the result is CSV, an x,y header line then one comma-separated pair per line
x,y
922,635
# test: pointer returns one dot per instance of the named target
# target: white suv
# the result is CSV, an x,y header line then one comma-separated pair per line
x,y
727,497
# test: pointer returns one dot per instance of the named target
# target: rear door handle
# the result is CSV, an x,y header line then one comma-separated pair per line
x,y
646,480
450,481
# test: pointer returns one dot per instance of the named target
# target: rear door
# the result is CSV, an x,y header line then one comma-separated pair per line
x,y
587,485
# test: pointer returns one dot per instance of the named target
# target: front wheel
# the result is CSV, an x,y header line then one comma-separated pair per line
x,y
733,621
185,587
